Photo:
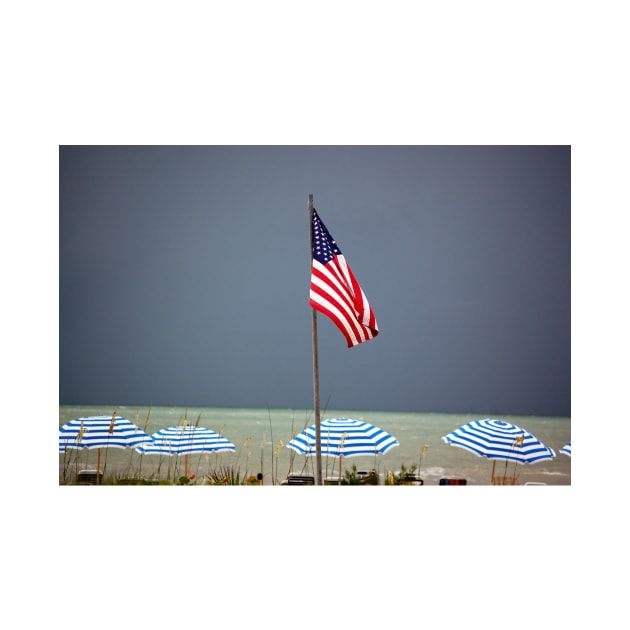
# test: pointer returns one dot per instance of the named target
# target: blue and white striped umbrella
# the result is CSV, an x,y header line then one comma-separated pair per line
x,y
566,449
184,440
344,437
101,432
497,439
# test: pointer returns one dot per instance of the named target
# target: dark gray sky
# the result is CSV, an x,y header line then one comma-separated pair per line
x,y
184,276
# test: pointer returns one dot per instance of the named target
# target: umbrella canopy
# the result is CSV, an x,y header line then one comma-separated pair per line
x,y
566,449
101,432
497,439
344,437
500,440
184,440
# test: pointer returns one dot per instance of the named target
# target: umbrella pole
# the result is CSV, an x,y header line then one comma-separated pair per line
x,y
85,465
318,435
494,463
98,467
128,471
105,462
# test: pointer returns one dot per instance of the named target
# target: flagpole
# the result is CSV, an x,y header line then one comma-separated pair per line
x,y
318,435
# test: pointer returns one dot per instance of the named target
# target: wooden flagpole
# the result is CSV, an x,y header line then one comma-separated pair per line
x,y
318,434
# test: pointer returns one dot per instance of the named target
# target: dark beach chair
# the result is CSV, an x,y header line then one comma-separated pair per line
x,y
413,479
294,479
89,477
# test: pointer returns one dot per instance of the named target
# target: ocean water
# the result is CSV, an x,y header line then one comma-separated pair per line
x,y
260,436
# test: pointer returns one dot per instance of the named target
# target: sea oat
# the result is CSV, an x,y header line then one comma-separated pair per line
x,y
341,443
146,424
111,424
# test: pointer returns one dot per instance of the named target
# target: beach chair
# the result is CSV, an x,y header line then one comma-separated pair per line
x,y
412,479
89,477
294,479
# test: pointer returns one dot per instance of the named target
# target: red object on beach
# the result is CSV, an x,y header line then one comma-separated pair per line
x,y
452,481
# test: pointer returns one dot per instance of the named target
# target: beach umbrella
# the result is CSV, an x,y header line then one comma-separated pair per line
x,y
566,449
499,440
101,432
344,437
185,440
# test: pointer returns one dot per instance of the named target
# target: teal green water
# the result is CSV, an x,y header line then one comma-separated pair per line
x,y
260,435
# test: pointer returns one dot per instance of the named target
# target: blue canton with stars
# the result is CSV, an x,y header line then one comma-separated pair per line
x,y
324,246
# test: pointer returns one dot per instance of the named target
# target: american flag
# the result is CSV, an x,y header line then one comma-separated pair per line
x,y
335,291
